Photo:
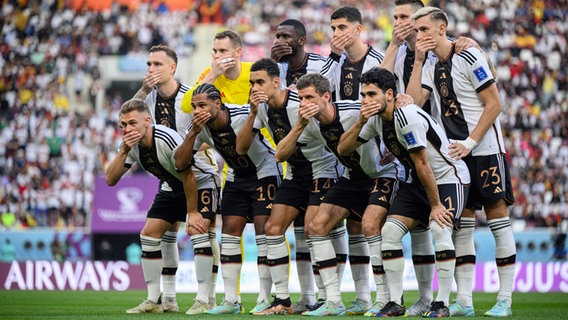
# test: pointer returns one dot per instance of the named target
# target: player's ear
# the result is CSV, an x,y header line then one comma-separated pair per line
x,y
442,29
239,51
302,40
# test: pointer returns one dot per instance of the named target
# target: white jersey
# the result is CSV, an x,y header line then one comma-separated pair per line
x,y
455,85
167,112
344,74
413,130
159,161
259,161
365,161
403,66
313,63
310,160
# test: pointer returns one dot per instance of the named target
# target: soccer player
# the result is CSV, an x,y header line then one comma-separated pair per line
x,y
152,148
227,72
163,95
294,62
311,171
468,107
288,50
351,57
362,193
399,59
251,183
350,54
422,146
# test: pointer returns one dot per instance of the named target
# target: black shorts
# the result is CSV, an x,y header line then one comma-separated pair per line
x,y
249,199
301,194
356,195
490,180
208,203
168,206
411,201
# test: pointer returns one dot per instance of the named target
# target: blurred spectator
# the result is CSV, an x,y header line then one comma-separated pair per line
x,y
57,250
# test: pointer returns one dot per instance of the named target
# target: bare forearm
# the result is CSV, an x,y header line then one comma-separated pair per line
x,y
142,93
414,88
390,57
116,169
287,146
427,179
190,190
348,141
184,153
246,136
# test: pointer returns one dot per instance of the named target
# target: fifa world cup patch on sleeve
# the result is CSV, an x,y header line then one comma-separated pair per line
x,y
410,139
480,74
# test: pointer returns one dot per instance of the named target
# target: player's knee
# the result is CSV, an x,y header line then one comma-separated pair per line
x,y
371,229
392,232
314,229
273,229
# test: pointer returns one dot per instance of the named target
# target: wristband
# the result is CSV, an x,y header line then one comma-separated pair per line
x,y
469,143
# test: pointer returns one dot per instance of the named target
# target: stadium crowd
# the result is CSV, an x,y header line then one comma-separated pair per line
x,y
50,151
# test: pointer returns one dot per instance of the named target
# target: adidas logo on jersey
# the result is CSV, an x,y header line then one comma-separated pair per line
x,y
269,206
383,199
498,190
205,209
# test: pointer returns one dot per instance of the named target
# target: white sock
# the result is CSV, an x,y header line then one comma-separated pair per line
x,y
216,260
424,261
304,267
382,287
339,241
263,270
465,260
359,262
279,263
231,265
326,261
445,260
152,265
170,262
203,258
393,256
505,256
317,277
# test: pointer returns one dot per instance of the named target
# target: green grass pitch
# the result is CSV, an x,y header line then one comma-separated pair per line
x,y
112,304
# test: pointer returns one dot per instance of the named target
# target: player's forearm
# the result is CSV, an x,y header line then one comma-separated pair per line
x,y
184,152
414,88
427,179
190,190
491,110
286,147
116,169
390,57
348,141
245,136
142,93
